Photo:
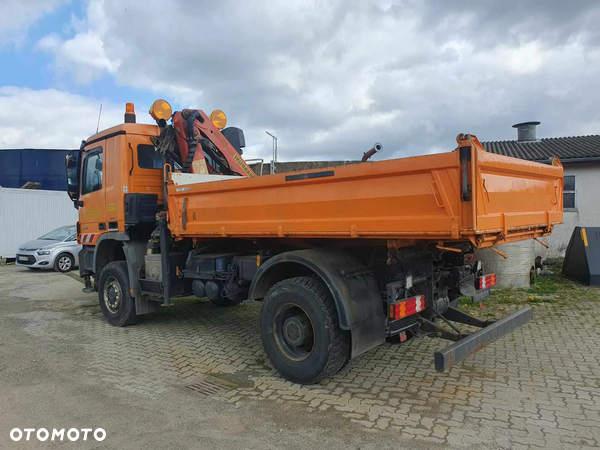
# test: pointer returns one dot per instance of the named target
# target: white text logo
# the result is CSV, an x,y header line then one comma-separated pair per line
x,y
42,434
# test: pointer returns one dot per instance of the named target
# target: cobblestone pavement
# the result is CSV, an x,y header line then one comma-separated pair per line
x,y
539,387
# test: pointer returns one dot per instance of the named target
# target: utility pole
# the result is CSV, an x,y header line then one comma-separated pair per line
x,y
274,160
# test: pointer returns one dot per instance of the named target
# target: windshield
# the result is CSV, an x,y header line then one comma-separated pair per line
x,y
60,234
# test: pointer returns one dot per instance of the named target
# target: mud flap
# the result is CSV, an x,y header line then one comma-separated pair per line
x,y
445,359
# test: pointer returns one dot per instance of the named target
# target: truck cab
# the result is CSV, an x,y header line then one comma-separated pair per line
x,y
106,197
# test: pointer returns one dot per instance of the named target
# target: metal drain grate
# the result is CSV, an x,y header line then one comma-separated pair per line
x,y
204,387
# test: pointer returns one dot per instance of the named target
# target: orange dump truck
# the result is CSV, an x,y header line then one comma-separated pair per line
x,y
341,258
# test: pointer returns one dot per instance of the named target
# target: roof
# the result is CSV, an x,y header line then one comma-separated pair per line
x,y
125,128
565,148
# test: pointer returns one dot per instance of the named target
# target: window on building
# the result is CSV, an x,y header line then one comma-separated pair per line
x,y
569,192
148,157
92,172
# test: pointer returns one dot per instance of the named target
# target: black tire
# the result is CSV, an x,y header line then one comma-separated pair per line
x,y
322,348
64,263
116,304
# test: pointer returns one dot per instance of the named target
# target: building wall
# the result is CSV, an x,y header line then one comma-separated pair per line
x,y
26,214
587,206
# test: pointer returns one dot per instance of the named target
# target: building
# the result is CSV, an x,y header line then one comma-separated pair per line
x,y
580,156
44,166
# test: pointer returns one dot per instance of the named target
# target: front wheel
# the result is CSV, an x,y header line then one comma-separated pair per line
x,y
300,331
64,263
116,303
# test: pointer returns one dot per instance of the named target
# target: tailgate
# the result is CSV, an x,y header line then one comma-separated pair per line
x,y
512,199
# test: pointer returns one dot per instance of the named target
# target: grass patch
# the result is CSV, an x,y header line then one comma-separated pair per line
x,y
545,289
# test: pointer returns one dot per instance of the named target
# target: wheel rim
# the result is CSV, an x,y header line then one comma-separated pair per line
x,y
112,295
64,263
294,332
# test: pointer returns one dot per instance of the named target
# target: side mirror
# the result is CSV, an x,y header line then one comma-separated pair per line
x,y
98,165
70,162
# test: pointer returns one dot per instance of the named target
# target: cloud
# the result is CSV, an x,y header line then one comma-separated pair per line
x,y
18,15
50,118
83,54
331,78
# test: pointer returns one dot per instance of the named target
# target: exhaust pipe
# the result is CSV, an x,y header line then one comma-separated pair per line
x,y
377,147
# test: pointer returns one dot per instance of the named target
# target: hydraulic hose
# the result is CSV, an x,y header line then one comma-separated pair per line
x,y
191,117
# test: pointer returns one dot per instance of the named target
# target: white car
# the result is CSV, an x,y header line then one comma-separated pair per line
x,y
56,250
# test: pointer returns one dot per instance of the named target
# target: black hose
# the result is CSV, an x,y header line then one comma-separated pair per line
x,y
191,118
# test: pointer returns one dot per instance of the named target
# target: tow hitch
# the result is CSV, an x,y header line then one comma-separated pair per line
x,y
468,343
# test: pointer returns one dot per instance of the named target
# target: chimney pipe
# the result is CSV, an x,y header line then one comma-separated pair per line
x,y
526,131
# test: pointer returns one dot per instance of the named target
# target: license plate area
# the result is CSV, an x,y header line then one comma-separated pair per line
x,y
481,295
23,258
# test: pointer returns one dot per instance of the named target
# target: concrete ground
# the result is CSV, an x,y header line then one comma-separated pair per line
x,y
195,376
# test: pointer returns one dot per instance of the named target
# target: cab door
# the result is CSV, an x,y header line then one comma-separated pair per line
x,y
92,216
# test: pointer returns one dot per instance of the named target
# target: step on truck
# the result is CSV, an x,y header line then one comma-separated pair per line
x,y
342,258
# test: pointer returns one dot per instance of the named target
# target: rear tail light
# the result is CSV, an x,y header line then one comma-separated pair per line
x,y
486,281
407,307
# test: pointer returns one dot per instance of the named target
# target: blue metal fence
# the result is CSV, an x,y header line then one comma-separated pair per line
x,y
45,166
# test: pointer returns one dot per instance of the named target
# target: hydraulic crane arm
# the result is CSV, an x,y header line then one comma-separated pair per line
x,y
199,143
203,147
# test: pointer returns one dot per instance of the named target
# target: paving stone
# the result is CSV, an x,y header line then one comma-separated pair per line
x,y
538,387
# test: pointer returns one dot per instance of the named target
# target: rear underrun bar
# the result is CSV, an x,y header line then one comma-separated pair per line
x,y
445,359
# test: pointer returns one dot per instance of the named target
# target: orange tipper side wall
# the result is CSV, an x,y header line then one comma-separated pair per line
x,y
408,198
516,197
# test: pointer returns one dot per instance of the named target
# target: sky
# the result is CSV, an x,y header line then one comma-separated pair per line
x,y
328,78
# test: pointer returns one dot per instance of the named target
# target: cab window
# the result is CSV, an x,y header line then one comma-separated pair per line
x,y
148,157
92,171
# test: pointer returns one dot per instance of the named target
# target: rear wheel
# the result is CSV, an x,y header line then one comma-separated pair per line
x,y
116,303
64,263
300,331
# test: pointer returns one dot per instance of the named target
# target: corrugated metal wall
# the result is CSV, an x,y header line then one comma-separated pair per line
x,y
26,214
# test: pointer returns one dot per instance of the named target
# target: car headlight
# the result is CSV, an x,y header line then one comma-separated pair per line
x,y
43,252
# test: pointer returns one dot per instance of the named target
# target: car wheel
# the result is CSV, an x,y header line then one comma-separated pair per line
x,y
116,304
300,331
64,263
